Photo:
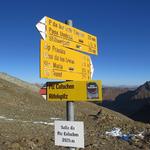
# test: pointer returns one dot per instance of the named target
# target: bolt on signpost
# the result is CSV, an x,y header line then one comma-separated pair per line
x,y
61,58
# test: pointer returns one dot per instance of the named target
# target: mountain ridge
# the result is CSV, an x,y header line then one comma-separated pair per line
x,y
132,103
26,122
18,82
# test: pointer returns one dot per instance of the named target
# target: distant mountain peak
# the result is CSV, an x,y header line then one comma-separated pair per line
x,y
144,88
147,85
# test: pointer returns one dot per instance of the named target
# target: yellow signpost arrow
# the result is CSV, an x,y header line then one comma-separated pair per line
x,y
55,31
58,62
69,91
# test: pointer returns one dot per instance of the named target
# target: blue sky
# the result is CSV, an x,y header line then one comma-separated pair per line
x,y
122,28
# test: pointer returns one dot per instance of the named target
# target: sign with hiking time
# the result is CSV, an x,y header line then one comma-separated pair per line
x,y
58,32
74,91
69,133
58,62
62,57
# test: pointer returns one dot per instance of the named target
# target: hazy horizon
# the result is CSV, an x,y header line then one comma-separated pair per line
x,y
43,81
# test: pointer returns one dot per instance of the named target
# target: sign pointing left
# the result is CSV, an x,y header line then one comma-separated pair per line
x,y
58,32
41,27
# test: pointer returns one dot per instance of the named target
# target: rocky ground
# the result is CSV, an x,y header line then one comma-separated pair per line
x,y
26,122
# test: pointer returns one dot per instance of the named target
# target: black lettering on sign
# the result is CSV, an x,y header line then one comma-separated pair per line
x,y
47,64
48,47
64,86
81,41
58,96
56,57
62,59
59,133
69,30
58,40
68,60
51,86
71,69
65,127
58,50
72,128
55,24
53,32
68,140
57,74
57,66
50,21
66,36
61,27
47,55
70,134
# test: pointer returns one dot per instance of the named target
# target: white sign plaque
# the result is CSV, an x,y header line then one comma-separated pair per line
x,y
69,134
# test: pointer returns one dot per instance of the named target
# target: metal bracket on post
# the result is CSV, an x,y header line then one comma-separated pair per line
x,y
70,104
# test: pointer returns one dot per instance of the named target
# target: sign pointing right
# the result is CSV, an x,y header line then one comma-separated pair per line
x,y
58,32
92,68
41,27
58,62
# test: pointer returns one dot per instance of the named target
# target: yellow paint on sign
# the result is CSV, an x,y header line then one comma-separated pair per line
x,y
70,44
72,37
74,91
58,62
